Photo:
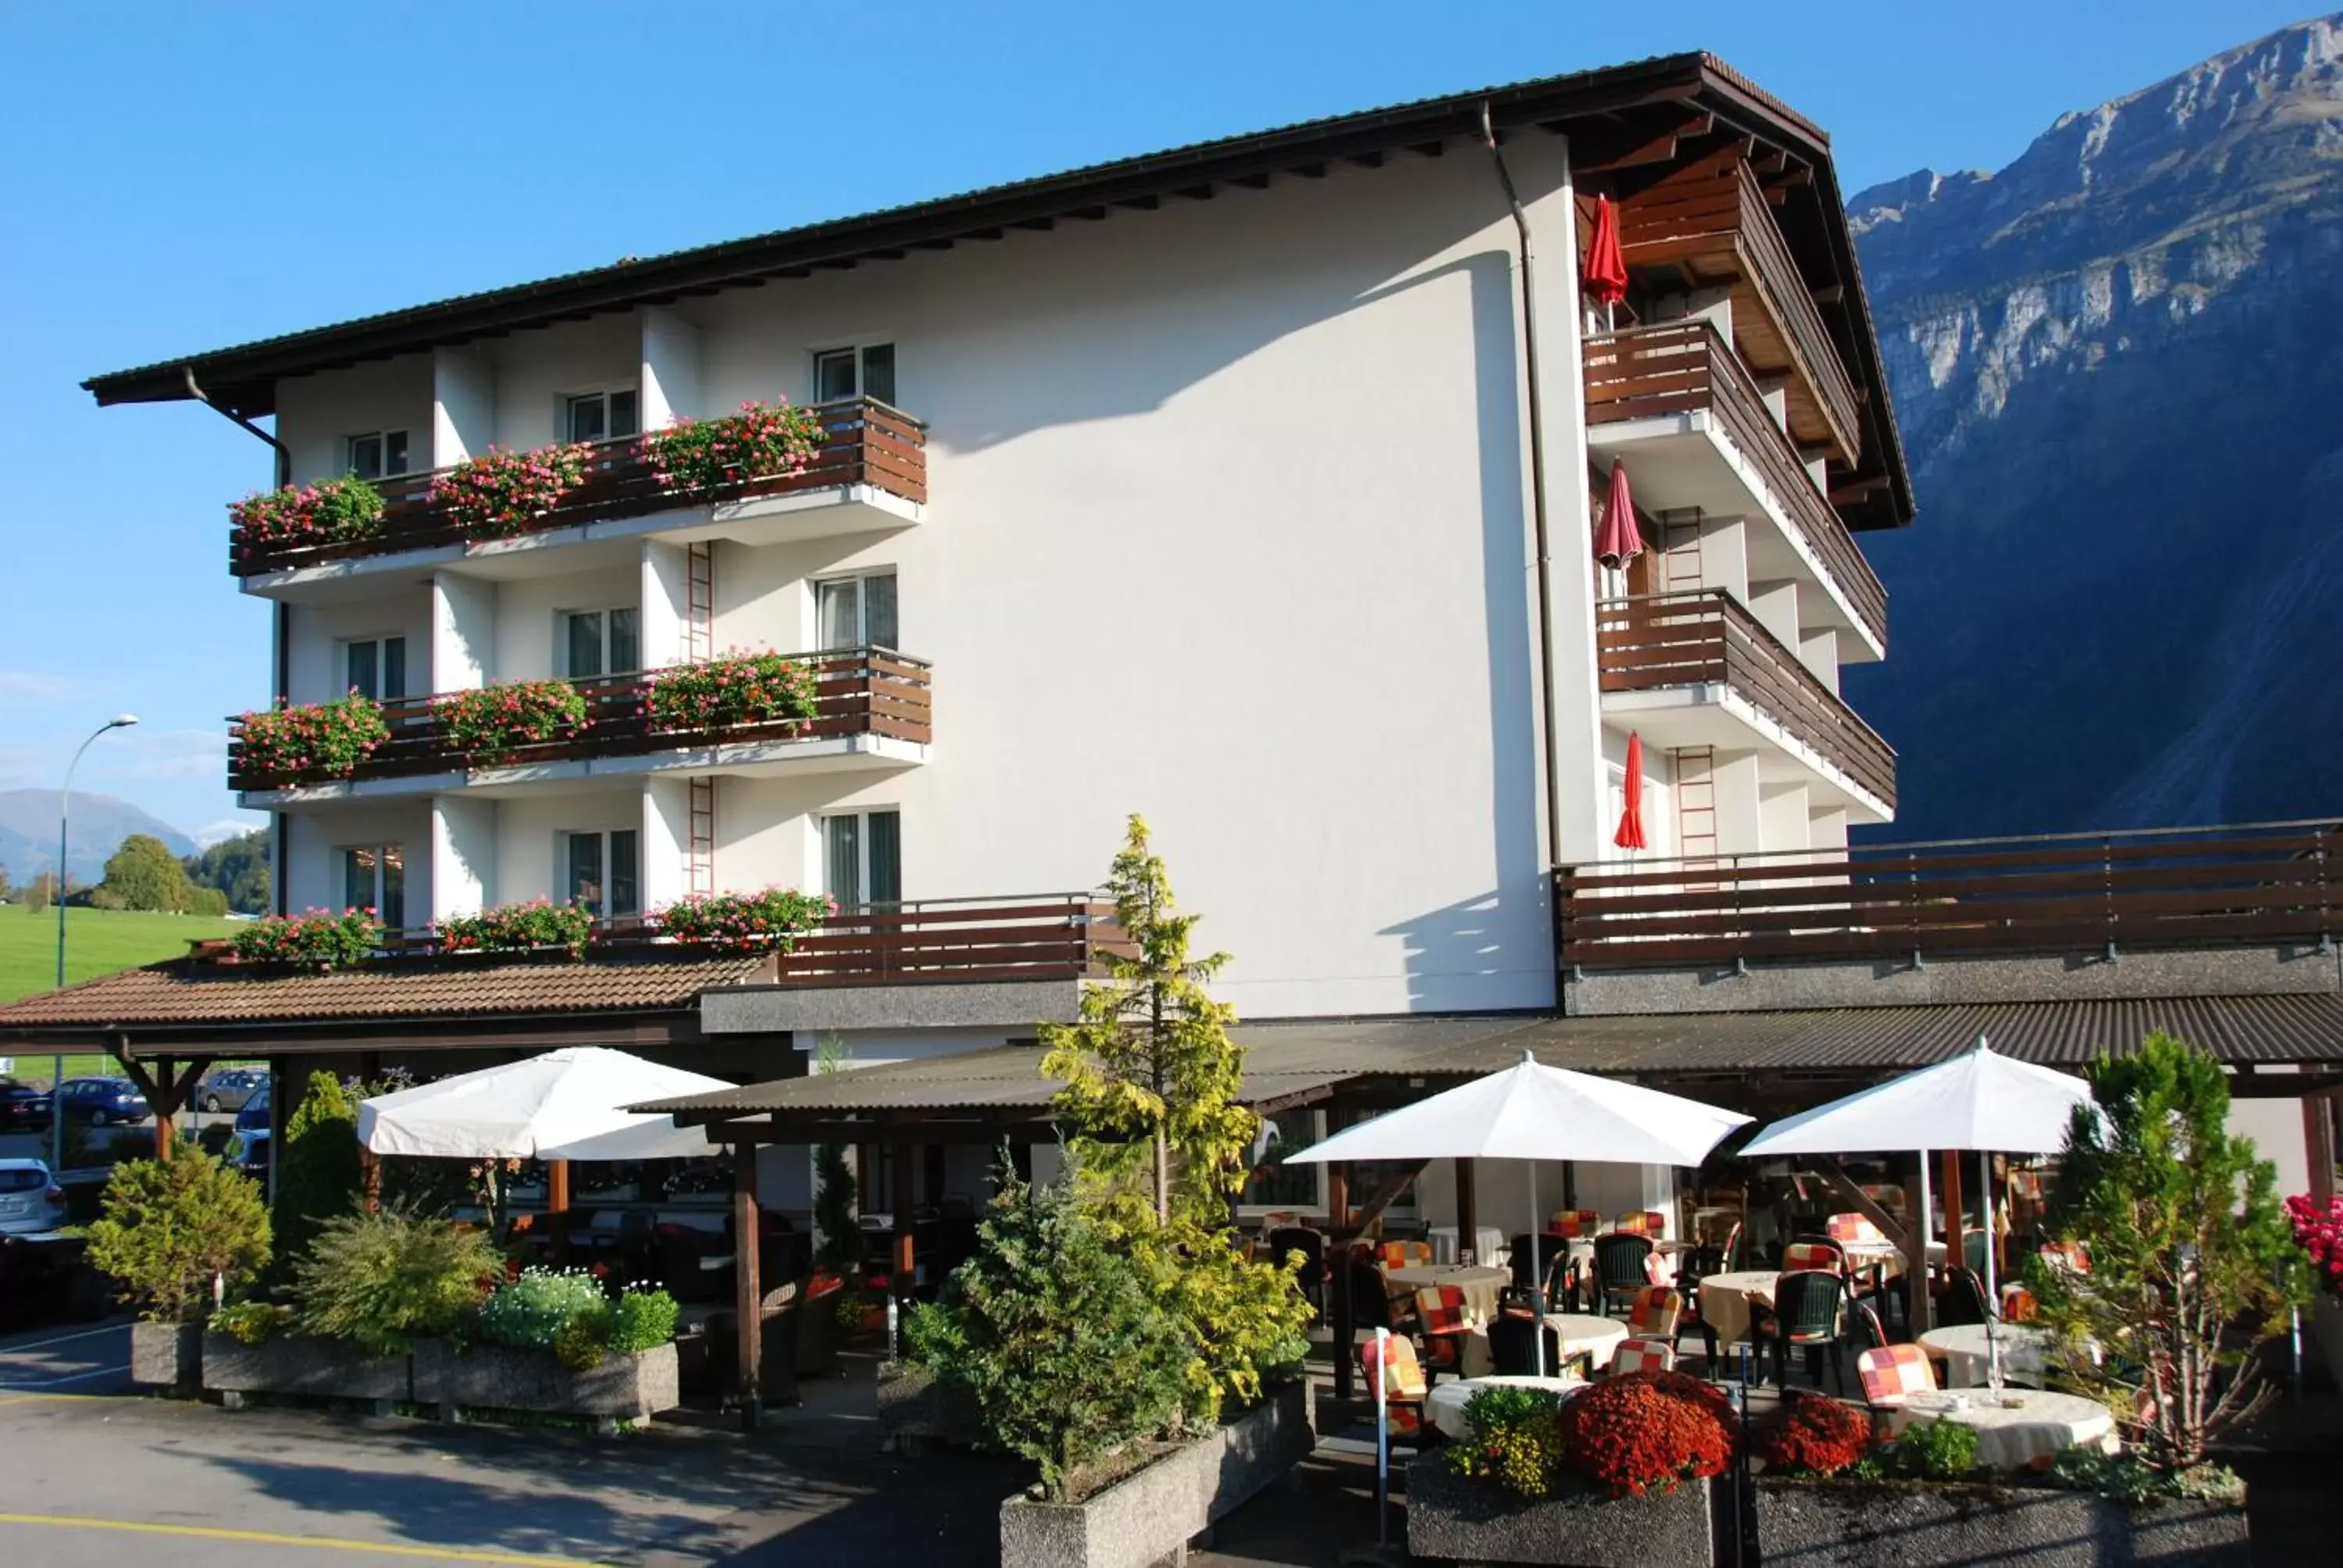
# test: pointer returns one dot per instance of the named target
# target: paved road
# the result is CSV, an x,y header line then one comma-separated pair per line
x,y
72,1357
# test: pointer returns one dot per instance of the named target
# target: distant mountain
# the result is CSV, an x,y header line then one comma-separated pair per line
x,y
2119,368
28,832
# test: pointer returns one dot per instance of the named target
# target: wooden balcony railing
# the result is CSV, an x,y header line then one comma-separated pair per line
x,y
1712,219
1685,366
1708,638
1028,937
2261,884
864,442
857,691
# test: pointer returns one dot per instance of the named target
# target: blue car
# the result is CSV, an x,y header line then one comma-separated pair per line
x,y
103,1101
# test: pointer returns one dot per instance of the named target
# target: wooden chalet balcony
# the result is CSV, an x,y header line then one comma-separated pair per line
x,y
858,692
1667,642
864,443
1686,367
1712,222
2101,894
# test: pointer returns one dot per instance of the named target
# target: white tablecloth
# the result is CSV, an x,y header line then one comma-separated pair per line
x,y
1482,1285
1444,1405
1725,1298
2024,1353
1575,1333
2029,1426
1488,1243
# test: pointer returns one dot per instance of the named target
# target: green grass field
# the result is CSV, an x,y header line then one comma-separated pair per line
x,y
97,943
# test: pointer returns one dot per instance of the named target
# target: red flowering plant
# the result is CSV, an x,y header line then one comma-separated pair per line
x,y
1814,1434
324,513
1644,1431
499,493
487,721
762,441
735,690
314,741
517,928
317,939
736,921
2319,1233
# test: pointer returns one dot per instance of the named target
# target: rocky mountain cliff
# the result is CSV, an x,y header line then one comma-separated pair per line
x,y
2118,367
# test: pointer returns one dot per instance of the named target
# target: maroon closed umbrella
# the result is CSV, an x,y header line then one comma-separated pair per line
x,y
1618,541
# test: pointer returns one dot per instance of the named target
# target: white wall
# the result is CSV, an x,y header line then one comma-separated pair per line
x,y
664,597
463,855
314,839
317,670
666,843
528,628
316,414
464,412
529,831
535,370
670,369
463,633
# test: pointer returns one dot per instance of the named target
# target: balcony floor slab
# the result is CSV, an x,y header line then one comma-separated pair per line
x,y
1717,715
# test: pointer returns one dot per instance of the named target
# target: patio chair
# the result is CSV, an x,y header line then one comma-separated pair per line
x,y
2018,1303
1891,1373
1815,1253
1634,1355
1729,1254
1963,1301
1655,1312
1807,1306
1398,1381
1371,1305
1514,1343
1852,1228
1575,1223
817,1337
1865,1325
1696,1265
1406,1254
1440,1324
1619,1269
1287,1240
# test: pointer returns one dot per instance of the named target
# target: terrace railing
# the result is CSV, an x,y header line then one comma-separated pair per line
x,y
2259,884
864,442
857,691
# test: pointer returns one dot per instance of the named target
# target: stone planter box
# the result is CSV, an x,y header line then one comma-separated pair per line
x,y
166,1355
633,1387
1152,1514
915,1407
1449,1517
1905,1525
321,1368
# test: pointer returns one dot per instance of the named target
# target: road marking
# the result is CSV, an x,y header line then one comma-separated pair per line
x,y
55,1381
269,1538
62,1339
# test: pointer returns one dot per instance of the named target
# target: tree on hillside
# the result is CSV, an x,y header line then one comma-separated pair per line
x,y
40,891
7,890
238,868
143,874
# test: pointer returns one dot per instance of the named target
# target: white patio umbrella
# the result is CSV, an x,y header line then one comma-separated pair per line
x,y
1535,1112
1979,1100
563,1105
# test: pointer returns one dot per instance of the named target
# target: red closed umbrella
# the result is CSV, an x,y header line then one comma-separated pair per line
x,y
1617,540
1630,835
1604,276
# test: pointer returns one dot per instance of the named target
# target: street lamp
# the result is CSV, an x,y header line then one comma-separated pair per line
x,y
64,816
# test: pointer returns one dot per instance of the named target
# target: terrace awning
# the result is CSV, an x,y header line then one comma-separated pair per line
x,y
562,1105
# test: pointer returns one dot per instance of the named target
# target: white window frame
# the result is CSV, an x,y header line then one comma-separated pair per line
x,y
382,853
561,842
382,436
858,347
861,637
561,639
342,647
862,848
568,400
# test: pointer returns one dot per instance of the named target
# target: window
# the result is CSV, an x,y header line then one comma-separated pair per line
x,y
868,371
592,415
374,877
600,642
376,666
603,872
378,454
855,612
862,858
1275,1185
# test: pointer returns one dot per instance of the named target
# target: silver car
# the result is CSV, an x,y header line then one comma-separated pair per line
x,y
31,1201
229,1088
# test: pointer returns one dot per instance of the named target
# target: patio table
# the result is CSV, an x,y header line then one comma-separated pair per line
x,y
1483,1284
2025,1352
1444,1405
2027,1427
1726,1300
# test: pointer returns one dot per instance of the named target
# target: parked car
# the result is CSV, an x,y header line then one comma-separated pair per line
x,y
22,1105
101,1102
31,1201
249,1154
253,1117
229,1088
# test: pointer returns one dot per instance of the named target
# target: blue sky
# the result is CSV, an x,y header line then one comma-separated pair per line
x,y
177,178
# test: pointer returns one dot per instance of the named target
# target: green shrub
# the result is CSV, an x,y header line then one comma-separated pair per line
x,y
578,1343
252,1323
325,513
530,1309
165,1227
1064,1335
1935,1451
2129,1479
641,1320
381,1282
318,1170
1514,1439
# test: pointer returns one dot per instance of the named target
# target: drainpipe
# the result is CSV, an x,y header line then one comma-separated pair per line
x,y
1537,490
282,629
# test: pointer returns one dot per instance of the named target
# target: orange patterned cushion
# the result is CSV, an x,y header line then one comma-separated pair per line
x,y
1851,1227
1406,1254
1406,1374
1813,1255
1575,1221
1656,1311
1643,1355
1891,1371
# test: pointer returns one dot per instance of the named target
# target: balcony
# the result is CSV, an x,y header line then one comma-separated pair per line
x,y
871,709
1677,404
869,472
2103,895
1711,222
1698,670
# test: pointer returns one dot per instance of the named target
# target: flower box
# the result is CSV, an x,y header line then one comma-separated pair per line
x,y
1913,1524
166,1355
1455,1516
320,1369
1152,1514
916,1406
629,1387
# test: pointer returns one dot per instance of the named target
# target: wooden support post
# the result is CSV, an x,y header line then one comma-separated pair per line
x,y
1915,1255
906,1262
748,1288
1949,1185
1345,1315
557,1201
370,1181
165,1106
1468,1229
1835,1178
1338,1199
2319,1144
